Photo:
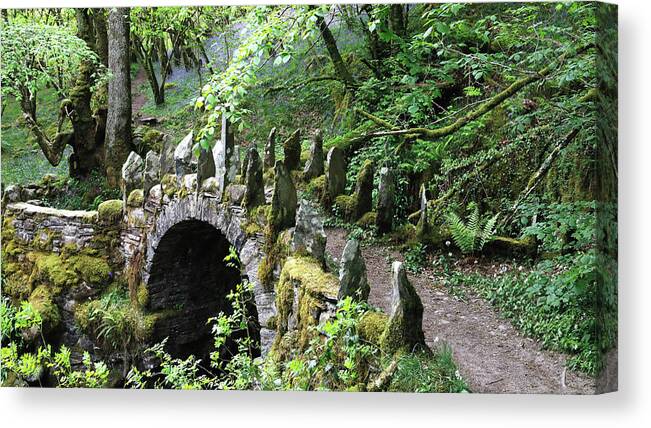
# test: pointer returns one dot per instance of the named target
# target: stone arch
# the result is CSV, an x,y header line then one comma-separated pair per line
x,y
179,231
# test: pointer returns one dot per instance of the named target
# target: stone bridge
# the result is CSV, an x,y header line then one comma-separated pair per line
x,y
167,239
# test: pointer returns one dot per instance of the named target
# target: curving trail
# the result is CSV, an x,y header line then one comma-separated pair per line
x,y
492,356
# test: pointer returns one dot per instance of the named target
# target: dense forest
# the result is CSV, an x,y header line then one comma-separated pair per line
x,y
479,144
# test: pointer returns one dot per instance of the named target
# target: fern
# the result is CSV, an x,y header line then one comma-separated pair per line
x,y
472,235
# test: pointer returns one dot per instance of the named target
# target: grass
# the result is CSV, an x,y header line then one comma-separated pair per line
x,y
423,372
22,160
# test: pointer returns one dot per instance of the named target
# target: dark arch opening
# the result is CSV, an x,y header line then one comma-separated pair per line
x,y
188,283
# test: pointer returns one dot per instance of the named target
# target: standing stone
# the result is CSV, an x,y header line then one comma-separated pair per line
x,y
352,273
183,156
385,203
245,162
132,175
223,154
152,171
254,194
284,200
270,150
364,190
292,149
314,165
309,236
422,228
11,194
404,330
167,165
336,173
205,165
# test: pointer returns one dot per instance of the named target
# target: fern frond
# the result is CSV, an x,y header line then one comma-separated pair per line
x,y
488,231
462,235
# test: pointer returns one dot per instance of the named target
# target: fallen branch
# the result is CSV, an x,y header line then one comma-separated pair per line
x,y
487,106
383,380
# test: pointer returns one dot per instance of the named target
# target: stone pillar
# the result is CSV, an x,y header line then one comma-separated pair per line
x,y
152,172
386,198
132,171
422,228
309,236
270,150
336,173
352,273
364,190
284,200
292,149
167,156
183,156
404,330
254,193
223,155
314,165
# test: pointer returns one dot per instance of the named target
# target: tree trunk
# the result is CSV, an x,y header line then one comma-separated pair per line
x,y
331,45
118,121
101,35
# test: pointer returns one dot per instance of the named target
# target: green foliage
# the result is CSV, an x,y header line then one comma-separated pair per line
x,y
416,258
82,194
471,235
423,372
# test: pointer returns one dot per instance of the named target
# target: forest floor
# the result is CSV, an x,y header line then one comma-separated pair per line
x,y
492,356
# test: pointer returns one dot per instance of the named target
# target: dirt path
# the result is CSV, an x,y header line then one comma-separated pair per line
x,y
138,98
492,356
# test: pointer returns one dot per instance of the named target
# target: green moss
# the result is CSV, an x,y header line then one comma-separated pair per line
x,y
93,270
51,269
371,326
345,206
305,276
136,198
42,301
152,140
297,178
368,220
16,286
268,177
142,295
317,187
252,229
169,185
110,211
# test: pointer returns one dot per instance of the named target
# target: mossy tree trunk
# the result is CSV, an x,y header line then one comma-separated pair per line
x,y
118,122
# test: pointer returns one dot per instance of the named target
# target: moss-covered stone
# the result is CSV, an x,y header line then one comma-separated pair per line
x,y
317,188
42,300
110,211
53,270
16,286
93,270
364,190
368,220
371,326
169,185
315,290
152,140
345,206
136,198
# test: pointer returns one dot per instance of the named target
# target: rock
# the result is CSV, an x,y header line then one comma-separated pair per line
x,y
235,193
386,198
284,200
364,190
167,165
183,156
236,164
314,165
292,149
422,228
352,273
151,175
205,165
404,330
245,163
270,150
336,173
309,236
11,194
223,153
132,174
210,187
254,194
